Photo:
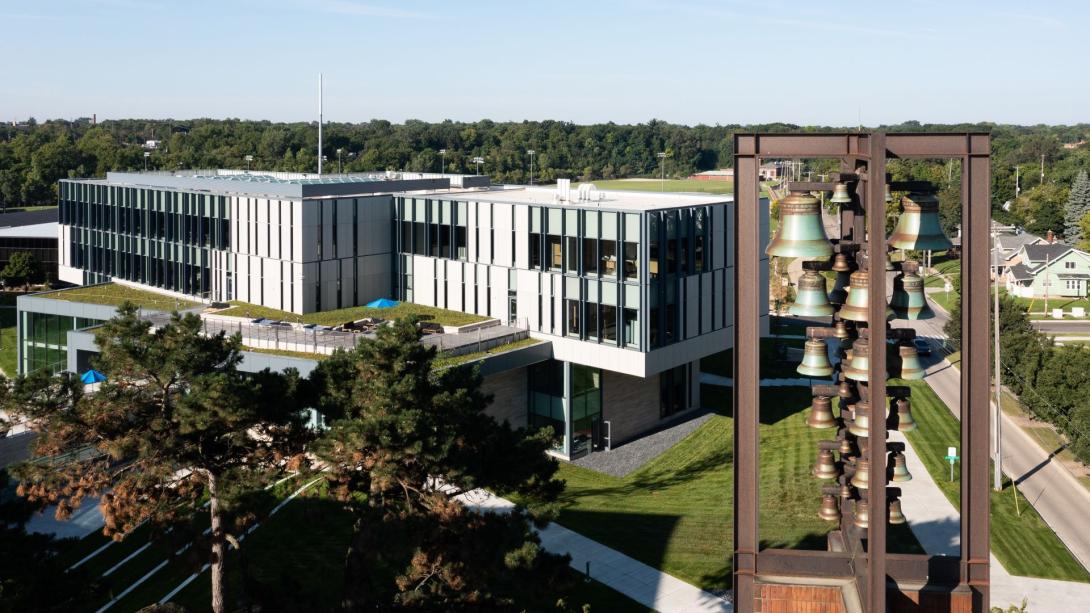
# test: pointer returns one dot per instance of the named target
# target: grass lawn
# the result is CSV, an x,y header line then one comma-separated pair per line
x,y
944,300
675,513
27,209
447,362
772,366
114,294
1023,542
288,354
8,341
340,316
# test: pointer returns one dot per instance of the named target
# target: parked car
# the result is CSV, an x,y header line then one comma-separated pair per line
x,y
922,346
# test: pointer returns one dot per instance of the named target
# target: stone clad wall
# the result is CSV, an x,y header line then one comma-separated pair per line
x,y
630,404
510,400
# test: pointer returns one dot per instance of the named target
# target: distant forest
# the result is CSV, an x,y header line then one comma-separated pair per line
x,y
34,155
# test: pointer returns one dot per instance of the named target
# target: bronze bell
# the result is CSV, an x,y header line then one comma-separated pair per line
x,y
862,514
896,516
801,233
856,305
841,263
845,491
815,359
861,479
830,511
844,388
826,465
905,423
841,330
846,448
919,226
811,299
821,413
840,194
898,468
857,367
860,426
911,367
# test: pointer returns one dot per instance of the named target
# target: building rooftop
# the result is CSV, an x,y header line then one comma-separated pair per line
x,y
616,200
1039,254
40,230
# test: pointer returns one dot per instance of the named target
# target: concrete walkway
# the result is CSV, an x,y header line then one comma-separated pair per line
x,y
646,585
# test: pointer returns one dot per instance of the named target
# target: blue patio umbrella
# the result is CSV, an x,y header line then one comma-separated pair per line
x,y
92,376
382,303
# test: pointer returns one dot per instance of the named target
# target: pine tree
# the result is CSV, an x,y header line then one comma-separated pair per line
x,y
174,424
403,443
1076,208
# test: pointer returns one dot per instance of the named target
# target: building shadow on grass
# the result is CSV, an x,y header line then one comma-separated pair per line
x,y
777,403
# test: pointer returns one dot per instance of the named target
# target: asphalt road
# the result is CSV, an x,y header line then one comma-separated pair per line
x,y
1050,488
1062,326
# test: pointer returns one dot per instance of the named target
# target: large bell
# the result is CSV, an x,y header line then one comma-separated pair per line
x,y
862,514
858,365
919,227
905,423
815,359
896,516
811,300
911,367
861,479
898,468
826,466
830,511
821,413
840,194
855,307
801,233
860,425
908,300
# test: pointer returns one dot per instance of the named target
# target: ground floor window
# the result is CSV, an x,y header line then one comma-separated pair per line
x,y
547,401
586,412
672,388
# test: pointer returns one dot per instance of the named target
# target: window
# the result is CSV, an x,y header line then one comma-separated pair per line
x,y
572,309
631,328
654,253
571,259
547,400
535,251
590,257
609,323
700,231
591,321
608,258
1069,265
552,247
632,261
672,391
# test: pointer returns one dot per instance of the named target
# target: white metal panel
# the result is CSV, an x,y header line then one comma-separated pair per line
x,y
423,277
522,238
501,237
499,293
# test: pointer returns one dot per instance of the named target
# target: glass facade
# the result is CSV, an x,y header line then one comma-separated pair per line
x,y
44,340
547,401
157,237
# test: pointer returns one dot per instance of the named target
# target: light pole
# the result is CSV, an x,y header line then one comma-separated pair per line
x,y
443,167
147,154
340,168
661,155
478,160
248,159
997,483
531,152
1017,185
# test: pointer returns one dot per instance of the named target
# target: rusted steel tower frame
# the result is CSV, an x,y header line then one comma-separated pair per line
x,y
867,154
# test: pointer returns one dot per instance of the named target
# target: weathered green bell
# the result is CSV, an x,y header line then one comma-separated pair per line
x,y
830,511
919,226
840,194
826,467
898,468
862,514
860,425
911,367
821,413
905,422
857,367
908,300
811,300
815,359
856,306
801,233
841,330
861,478
896,516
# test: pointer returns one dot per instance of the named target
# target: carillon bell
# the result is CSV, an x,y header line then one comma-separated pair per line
x,y
846,448
840,194
898,468
841,330
839,293
855,307
862,514
896,516
844,389
845,492
908,300
861,479
905,423
811,301
801,233
815,359
911,367
919,226
821,413
858,365
826,466
889,195
860,425
889,262
830,511
841,263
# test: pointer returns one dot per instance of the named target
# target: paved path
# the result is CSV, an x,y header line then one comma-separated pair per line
x,y
646,585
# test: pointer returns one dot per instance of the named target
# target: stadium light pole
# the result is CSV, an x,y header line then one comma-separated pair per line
x,y
531,152
248,158
661,155
340,168
147,154
478,161
443,167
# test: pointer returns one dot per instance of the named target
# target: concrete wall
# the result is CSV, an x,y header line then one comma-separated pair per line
x,y
509,391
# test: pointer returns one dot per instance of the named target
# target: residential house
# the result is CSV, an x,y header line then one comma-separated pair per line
x,y
1051,269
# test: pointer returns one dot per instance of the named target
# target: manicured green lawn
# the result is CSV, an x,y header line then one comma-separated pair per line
x,y
8,341
28,208
286,353
773,366
675,513
340,316
1023,542
114,294
446,362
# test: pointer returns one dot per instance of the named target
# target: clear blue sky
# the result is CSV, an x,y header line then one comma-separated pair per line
x,y
587,61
